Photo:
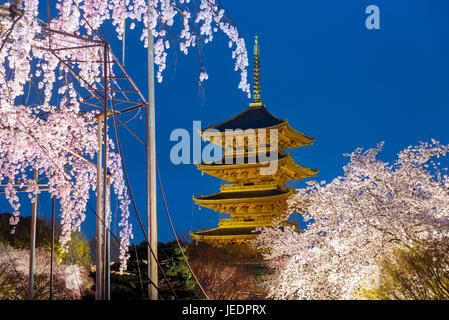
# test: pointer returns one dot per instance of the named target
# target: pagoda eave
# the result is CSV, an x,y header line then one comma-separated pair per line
x,y
226,197
287,136
225,235
274,204
287,169
292,138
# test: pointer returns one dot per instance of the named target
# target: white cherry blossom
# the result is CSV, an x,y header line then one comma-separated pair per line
x,y
356,219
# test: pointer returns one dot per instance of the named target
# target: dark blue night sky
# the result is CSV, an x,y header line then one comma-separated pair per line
x,y
321,69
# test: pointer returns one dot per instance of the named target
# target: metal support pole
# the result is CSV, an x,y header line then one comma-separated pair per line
x,y
52,244
32,241
99,246
151,172
107,245
105,166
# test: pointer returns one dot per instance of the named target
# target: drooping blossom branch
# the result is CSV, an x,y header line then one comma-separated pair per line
x,y
53,135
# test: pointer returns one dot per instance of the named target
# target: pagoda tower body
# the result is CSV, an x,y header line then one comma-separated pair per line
x,y
255,163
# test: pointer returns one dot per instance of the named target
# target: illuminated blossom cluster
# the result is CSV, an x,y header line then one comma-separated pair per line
x,y
357,219
50,137
118,183
69,281
53,135
199,23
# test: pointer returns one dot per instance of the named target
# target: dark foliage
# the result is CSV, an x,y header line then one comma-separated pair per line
x,y
21,238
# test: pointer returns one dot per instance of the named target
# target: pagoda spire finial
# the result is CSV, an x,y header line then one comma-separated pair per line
x,y
256,72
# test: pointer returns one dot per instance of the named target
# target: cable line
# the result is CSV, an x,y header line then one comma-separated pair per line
x,y
125,174
176,237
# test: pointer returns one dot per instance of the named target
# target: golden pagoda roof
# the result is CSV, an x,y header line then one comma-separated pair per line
x,y
244,158
287,136
256,117
220,231
297,138
287,169
225,235
245,195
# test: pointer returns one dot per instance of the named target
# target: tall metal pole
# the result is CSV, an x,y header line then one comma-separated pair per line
x,y
52,244
105,157
32,241
99,246
107,245
151,171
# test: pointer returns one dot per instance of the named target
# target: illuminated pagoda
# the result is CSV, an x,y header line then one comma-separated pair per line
x,y
253,197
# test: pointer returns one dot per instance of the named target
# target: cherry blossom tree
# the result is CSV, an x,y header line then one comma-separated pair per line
x,y
357,219
50,135
69,281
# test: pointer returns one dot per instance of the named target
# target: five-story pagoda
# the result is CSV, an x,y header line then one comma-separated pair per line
x,y
255,163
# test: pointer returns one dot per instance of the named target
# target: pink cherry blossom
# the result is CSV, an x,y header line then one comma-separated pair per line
x,y
356,219
53,143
